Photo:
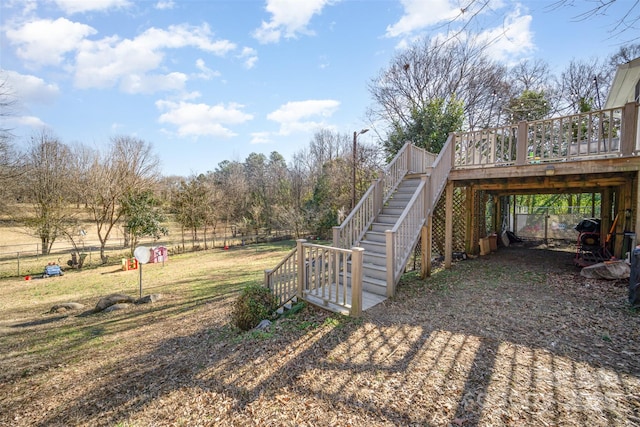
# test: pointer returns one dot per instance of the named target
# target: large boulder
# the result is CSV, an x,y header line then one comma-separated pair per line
x,y
113,299
149,298
114,307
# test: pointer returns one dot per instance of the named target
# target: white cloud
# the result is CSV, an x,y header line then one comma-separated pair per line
x,y
165,5
45,42
105,62
26,121
30,89
152,83
418,16
202,119
81,6
288,18
298,116
206,73
261,138
250,57
511,41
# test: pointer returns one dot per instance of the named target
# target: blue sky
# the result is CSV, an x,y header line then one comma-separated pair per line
x,y
209,80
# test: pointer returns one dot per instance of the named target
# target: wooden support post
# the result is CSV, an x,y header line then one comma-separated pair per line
x,y
497,210
448,225
623,202
605,212
301,267
629,128
391,258
521,144
356,282
471,240
267,281
425,238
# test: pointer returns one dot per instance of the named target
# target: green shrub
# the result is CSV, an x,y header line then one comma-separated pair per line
x,y
254,304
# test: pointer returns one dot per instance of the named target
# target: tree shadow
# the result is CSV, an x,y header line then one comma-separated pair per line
x,y
440,356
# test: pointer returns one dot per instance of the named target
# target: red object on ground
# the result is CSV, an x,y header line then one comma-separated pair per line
x,y
27,277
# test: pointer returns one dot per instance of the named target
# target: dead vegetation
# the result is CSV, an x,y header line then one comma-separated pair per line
x,y
515,338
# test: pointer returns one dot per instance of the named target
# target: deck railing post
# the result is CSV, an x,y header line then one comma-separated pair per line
x,y
391,260
521,143
267,278
408,158
356,281
629,128
336,236
377,196
301,266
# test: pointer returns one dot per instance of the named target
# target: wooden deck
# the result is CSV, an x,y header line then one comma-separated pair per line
x,y
368,299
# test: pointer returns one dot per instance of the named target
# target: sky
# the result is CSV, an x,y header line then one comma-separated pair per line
x,y
205,81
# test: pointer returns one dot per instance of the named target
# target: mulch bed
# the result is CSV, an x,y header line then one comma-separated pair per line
x,y
514,338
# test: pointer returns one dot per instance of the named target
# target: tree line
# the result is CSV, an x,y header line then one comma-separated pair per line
x,y
427,91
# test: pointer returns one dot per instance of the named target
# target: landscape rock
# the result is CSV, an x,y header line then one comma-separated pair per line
x,y
149,298
263,325
610,270
66,306
112,299
114,307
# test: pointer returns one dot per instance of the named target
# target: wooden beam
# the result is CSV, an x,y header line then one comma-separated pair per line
x,y
425,238
636,206
448,225
469,235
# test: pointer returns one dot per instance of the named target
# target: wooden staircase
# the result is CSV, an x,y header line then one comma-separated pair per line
x,y
374,266
371,247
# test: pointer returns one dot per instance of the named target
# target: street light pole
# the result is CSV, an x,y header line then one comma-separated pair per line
x,y
355,162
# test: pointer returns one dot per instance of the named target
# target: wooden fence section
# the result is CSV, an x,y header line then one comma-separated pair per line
x,y
595,134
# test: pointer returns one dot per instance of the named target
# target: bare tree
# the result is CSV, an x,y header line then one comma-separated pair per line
x,y
593,9
129,164
10,160
46,184
583,86
429,70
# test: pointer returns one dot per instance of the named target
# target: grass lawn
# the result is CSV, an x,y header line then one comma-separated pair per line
x,y
515,338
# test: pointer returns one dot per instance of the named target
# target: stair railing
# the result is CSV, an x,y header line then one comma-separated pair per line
x,y
409,159
440,172
402,238
283,278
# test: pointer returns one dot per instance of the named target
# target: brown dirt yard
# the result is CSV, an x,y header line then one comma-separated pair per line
x,y
516,338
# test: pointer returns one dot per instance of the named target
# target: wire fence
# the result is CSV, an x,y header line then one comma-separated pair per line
x,y
27,259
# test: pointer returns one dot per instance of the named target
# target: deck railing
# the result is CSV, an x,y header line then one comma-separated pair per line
x,y
604,133
330,275
409,159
